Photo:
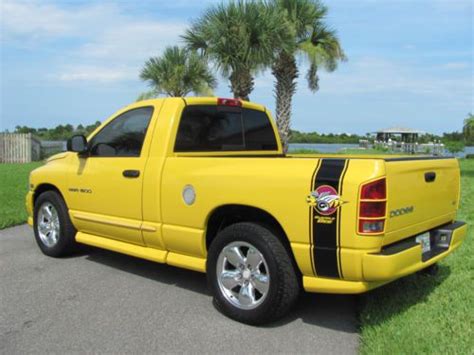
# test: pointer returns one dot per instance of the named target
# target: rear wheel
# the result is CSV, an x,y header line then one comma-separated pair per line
x,y
243,275
53,229
251,274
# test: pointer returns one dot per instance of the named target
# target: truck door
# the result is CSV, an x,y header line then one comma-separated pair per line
x,y
105,186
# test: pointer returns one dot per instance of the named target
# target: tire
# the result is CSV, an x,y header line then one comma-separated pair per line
x,y
275,276
60,240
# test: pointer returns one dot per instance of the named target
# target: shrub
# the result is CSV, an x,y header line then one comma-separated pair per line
x,y
454,146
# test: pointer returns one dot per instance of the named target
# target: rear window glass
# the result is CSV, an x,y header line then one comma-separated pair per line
x,y
217,128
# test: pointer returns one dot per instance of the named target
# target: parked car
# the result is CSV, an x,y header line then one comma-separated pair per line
x,y
203,184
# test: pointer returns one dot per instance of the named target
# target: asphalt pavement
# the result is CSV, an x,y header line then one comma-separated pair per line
x,y
100,301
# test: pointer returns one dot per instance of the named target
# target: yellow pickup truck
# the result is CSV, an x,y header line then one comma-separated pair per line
x,y
203,184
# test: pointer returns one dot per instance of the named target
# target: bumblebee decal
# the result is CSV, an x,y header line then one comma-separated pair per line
x,y
325,200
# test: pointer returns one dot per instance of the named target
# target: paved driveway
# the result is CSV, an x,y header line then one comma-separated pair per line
x,y
106,302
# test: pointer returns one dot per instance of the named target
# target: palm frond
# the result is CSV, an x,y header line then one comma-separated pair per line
x,y
178,72
313,78
240,37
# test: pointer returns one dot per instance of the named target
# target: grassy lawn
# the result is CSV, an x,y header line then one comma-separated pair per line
x,y
346,151
426,314
13,188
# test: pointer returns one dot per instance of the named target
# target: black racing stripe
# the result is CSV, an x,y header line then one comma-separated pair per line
x,y
311,216
325,235
339,219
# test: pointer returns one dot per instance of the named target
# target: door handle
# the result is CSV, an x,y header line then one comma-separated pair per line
x,y
430,177
131,173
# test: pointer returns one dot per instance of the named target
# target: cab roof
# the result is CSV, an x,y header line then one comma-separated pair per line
x,y
210,100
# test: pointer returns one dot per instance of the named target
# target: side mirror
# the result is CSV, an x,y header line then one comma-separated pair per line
x,y
77,144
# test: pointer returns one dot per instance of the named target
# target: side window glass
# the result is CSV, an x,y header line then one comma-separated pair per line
x,y
124,136
205,128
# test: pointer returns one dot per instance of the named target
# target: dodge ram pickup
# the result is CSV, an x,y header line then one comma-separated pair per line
x,y
203,184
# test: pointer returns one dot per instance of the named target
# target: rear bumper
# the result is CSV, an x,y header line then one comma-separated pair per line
x,y
404,258
394,261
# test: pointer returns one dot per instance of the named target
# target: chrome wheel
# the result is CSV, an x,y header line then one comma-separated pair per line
x,y
48,224
243,275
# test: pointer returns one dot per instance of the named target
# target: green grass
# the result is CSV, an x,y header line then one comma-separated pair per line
x,y
427,314
346,151
351,151
13,188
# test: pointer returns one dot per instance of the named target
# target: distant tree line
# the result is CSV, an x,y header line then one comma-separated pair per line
x,y
344,138
466,137
58,133
456,141
453,140
315,137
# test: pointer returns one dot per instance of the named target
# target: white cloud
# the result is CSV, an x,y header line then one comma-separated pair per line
x,y
375,75
32,21
95,73
105,33
125,47
456,65
132,40
20,19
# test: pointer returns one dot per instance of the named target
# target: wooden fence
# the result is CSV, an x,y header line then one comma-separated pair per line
x,y
18,148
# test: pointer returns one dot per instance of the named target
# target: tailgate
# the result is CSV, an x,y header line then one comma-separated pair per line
x,y
421,194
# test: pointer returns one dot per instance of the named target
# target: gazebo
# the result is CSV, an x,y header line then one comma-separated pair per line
x,y
405,140
405,135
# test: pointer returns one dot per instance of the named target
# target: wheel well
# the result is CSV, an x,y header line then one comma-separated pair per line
x,y
227,215
43,188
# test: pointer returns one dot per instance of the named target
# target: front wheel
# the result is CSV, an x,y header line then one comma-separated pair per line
x,y
53,229
251,274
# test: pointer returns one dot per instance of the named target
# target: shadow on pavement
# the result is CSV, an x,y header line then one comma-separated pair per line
x,y
330,311
187,279
335,312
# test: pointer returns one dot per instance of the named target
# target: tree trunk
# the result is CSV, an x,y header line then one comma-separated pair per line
x,y
241,84
286,72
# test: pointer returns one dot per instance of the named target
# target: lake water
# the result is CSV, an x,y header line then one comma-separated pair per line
x,y
322,148
334,148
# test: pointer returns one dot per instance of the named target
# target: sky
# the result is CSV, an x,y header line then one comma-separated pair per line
x,y
410,63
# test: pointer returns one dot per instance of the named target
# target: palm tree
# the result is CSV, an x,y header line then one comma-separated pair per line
x,y
177,73
240,38
314,41
468,128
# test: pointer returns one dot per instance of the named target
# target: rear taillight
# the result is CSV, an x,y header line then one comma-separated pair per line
x,y
229,102
375,190
372,207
